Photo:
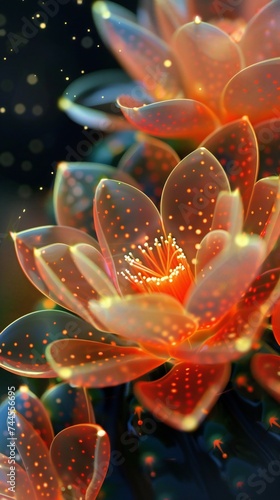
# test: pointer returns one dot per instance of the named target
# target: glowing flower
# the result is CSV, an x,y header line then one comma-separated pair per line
x,y
191,285
34,462
196,64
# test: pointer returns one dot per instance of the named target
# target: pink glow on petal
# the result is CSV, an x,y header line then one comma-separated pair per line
x,y
176,118
254,91
207,58
184,397
189,197
170,15
266,370
81,455
94,364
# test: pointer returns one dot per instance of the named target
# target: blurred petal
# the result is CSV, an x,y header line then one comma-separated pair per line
x,y
142,54
170,14
211,245
266,370
261,39
27,241
232,271
207,58
251,7
81,455
176,118
65,283
264,211
184,397
23,342
261,289
268,135
31,408
228,214
188,199
23,485
94,364
155,320
68,406
90,101
150,161
275,321
37,462
124,217
254,92
74,190
235,147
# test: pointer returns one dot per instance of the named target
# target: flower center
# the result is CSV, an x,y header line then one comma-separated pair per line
x,y
161,267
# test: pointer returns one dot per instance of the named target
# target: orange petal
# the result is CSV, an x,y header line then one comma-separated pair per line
x,y
37,462
261,39
211,245
155,320
74,189
254,91
228,214
23,485
276,321
23,343
176,118
188,199
68,406
268,135
261,289
141,53
124,218
81,455
266,370
150,161
183,398
218,291
94,364
252,7
27,241
170,15
207,58
235,147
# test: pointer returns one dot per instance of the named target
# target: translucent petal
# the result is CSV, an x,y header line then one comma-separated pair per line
x,y
37,462
170,15
23,485
146,15
188,199
184,397
254,91
263,215
261,39
81,455
27,241
227,342
217,291
261,289
94,364
266,370
207,58
124,217
211,246
65,283
235,147
155,320
68,406
141,53
24,341
228,214
90,101
150,161
31,408
251,7
176,118
275,321
74,190
268,135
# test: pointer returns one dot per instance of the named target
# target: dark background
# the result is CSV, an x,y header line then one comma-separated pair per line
x,y
34,132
